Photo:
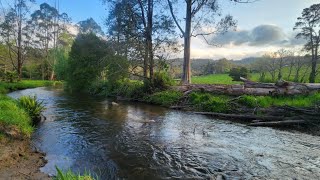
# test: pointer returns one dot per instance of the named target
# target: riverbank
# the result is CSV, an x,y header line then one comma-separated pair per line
x,y
290,112
18,160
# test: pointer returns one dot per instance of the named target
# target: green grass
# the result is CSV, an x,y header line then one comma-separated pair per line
x,y
268,101
214,79
25,84
69,175
164,98
11,115
209,102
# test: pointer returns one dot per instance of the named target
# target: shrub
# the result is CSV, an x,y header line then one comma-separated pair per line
x,y
165,98
209,102
32,106
161,81
236,73
11,76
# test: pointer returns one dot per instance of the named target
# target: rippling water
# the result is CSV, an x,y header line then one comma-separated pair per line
x,y
138,141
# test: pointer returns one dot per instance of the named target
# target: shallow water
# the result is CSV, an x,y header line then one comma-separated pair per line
x,y
139,141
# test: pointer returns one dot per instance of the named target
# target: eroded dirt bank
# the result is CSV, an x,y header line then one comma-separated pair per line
x,y
19,161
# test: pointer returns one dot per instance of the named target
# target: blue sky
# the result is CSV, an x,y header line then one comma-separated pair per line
x,y
256,21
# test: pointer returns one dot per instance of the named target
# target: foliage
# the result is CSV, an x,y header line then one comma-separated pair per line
x,y
11,115
90,26
308,25
32,106
209,102
164,98
161,81
86,61
24,84
236,73
117,68
11,76
69,175
61,64
268,101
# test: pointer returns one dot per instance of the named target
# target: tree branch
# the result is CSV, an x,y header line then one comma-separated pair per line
x,y
174,18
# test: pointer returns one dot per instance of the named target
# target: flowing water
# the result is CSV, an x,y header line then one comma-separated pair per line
x,y
139,141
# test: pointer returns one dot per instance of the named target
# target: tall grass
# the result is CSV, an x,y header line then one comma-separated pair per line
x,y
69,175
11,115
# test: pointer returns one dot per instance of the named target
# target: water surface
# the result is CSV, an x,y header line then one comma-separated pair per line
x,y
139,141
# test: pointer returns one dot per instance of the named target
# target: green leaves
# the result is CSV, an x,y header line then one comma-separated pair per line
x,y
32,106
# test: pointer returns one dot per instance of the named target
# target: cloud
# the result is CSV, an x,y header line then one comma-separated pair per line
x,y
262,35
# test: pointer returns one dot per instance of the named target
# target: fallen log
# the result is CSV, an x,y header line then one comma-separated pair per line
x,y
278,123
242,117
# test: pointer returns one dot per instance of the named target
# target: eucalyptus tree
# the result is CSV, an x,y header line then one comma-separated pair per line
x,y
13,32
90,26
200,19
308,25
47,24
144,24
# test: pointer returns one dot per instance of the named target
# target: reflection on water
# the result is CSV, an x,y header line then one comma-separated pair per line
x,y
139,141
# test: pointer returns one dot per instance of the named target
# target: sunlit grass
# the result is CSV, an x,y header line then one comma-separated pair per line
x,y
214,79
11,115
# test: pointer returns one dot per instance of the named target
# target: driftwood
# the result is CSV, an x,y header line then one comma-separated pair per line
x,y
278,123
252,88
248,118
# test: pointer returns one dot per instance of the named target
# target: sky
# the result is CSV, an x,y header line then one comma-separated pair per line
x,y
263,26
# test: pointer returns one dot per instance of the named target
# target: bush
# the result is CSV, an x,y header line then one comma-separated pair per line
x,y
161,81
209,102
32,106
236,73
11,76
165,98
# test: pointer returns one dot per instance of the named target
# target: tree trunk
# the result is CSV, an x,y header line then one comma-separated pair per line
x,y
19,63
149,37
312,76
186,76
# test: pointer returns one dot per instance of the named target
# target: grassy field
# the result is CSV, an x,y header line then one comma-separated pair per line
x,y
226,79
214,79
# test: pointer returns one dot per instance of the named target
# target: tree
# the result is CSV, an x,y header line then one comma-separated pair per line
x,y
90,26
199,14
309,28
87,60
47,24
136,21
14,33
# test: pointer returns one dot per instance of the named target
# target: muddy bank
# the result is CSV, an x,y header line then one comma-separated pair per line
x,y
19,161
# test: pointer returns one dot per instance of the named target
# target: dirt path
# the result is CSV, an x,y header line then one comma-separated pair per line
x,y
18,161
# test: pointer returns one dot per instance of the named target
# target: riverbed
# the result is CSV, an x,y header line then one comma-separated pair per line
x,y
139,141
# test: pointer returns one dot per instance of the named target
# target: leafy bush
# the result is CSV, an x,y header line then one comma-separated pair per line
x,y
209,102
32,106
165,98
236,73
161,81
69,175
11,76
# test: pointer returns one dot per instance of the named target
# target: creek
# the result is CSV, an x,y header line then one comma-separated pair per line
x,y
140,141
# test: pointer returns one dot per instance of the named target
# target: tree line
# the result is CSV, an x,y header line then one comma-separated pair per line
x,y
143,32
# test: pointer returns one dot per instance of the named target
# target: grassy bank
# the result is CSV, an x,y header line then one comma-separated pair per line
x,y
14,118
25,84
